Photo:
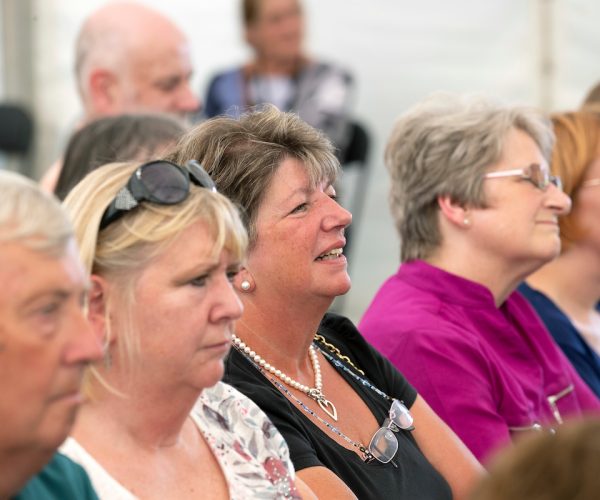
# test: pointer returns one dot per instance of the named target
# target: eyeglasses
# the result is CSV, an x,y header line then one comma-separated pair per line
x,y
161,182
590,183
384,443
535,173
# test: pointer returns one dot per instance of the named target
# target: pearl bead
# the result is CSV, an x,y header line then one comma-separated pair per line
x,y
314,360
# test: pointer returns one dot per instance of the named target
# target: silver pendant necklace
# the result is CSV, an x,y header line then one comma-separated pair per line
x,y
315,392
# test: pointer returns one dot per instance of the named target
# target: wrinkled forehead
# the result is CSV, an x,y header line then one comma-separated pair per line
x,y
28,273
166,49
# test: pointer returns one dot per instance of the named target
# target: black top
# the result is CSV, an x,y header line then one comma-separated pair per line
x,y
310,446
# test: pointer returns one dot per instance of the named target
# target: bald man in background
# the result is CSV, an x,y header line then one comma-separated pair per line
x,y
130,58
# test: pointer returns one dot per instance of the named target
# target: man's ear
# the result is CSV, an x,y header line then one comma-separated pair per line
x,y
97,305
103,91
454,212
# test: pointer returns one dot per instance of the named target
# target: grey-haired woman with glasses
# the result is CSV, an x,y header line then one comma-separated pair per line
x,y
162,249
354,425
477,210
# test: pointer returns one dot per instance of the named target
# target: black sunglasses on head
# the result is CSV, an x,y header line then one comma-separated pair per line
x,y
159,181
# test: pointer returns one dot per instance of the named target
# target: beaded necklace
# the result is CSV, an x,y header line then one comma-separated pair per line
x,y
367,456
315,392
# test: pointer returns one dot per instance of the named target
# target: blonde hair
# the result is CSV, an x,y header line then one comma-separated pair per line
x,y
127,246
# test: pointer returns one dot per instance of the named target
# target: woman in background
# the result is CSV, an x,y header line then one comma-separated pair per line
x,y
565,291
477,211
281,74
128,137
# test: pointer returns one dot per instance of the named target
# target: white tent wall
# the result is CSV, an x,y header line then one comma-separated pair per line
x,y
537,52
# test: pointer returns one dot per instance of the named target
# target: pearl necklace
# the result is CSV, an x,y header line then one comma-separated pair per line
x,y
315,392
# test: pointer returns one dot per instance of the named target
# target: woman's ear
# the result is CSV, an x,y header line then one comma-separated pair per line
x,y
97,305
244,281
454,212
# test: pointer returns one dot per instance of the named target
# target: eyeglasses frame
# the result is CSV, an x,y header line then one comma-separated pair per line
x,y
591,183
389,424
522,172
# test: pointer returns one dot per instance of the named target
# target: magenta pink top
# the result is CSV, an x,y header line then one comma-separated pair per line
x,y
489,372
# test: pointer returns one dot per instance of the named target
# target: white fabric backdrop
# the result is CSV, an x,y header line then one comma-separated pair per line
x,y
399,51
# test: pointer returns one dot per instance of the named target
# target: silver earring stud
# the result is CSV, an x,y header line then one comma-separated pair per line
x,y
245,285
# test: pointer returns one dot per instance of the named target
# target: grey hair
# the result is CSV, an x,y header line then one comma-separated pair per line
x,y
442,147
32,217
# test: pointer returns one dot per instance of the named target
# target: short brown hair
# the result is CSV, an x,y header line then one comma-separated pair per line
x,y
119,138
250,10
242,154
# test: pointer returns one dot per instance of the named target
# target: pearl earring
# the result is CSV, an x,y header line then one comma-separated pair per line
x,y
466,221
245,285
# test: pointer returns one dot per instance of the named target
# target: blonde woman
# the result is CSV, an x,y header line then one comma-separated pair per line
x,y
162,248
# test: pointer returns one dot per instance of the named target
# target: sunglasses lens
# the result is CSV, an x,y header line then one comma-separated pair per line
x,y
400,415
164,182
200,175
384,445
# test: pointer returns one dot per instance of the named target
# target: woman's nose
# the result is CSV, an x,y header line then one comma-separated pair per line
x,y
558,200
337,216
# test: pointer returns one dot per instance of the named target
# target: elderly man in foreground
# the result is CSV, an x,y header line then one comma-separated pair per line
x,y
45,344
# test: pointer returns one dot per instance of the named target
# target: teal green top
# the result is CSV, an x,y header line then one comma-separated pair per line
x,y
61,479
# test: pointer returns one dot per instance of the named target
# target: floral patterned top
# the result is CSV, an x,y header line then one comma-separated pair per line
x,y
251,452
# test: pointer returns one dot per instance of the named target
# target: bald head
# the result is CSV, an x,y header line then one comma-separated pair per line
x,y
131,58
